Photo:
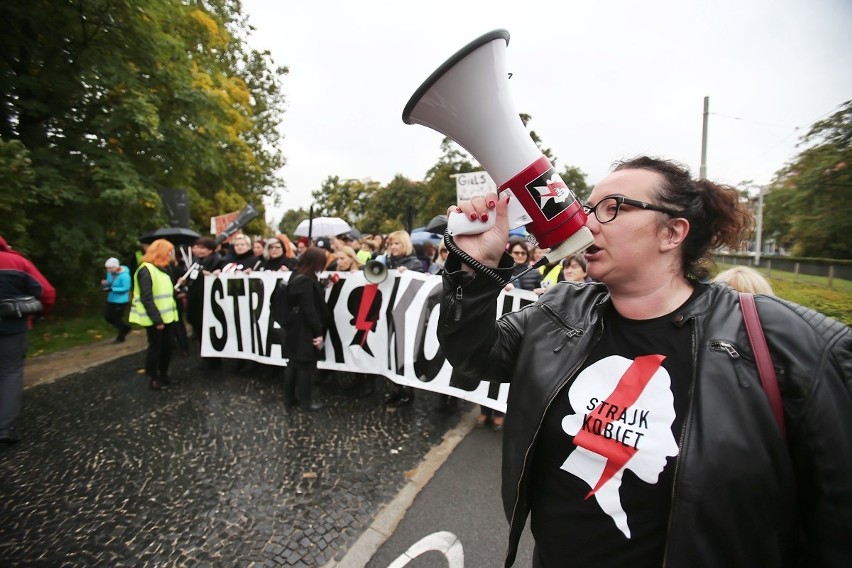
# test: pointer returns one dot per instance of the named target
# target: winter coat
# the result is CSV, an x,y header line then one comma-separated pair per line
x,y
741,494
311,320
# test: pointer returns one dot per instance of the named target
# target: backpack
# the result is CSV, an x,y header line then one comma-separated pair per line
x,y
280,306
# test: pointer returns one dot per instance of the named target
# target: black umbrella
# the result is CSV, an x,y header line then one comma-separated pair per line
x,y
438,224
178,236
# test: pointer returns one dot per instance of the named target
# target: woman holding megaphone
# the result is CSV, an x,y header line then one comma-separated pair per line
x,y
638,430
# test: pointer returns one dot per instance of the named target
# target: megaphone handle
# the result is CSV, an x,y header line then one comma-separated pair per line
x,y
459,224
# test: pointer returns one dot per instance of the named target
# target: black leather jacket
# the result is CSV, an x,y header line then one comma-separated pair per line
x,y
741,493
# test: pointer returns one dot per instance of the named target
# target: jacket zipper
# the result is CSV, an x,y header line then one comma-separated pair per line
x,y
573,332
731,350
680,443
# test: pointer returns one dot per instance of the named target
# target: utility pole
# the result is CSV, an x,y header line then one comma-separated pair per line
x,y
758,237
702,173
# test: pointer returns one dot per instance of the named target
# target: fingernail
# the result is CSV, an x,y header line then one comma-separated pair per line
x,y
484,217
458,209
492,204
473,216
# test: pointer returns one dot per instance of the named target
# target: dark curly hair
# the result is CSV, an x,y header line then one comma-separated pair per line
x,y
716,214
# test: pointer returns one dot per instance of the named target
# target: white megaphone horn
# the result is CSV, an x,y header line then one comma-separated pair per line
x,y
467,98
375,272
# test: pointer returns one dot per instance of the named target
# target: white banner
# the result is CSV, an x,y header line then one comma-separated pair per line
x,y
386,329
473,184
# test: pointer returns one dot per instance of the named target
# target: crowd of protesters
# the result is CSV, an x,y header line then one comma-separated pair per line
x,y
177,321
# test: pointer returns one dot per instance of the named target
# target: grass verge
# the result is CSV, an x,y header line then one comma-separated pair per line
x,y
55,333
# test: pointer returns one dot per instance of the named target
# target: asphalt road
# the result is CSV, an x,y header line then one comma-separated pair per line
x,y
459,507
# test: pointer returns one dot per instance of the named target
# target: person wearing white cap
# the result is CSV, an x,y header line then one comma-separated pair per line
x,y
117,286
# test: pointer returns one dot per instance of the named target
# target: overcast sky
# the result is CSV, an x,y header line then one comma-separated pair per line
x,y
602,80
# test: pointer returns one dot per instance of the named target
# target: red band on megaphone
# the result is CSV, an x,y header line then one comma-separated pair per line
x,y
555,212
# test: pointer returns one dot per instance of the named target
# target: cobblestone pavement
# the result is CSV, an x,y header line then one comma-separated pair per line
x,y
216,472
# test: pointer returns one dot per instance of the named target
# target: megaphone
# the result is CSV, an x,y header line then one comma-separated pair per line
x,y
467,98
375,272
244,217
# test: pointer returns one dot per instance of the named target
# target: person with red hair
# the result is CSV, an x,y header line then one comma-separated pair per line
x,y
155,309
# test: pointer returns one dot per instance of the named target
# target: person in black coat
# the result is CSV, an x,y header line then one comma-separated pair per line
x,y
275,258
400,255
306,331
242,256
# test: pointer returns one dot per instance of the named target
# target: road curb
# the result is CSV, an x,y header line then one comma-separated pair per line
x,y
389,516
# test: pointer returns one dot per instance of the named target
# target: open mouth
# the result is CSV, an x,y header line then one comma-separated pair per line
x,y
592,250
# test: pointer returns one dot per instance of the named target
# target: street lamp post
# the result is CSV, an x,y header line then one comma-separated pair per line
x,y
758,245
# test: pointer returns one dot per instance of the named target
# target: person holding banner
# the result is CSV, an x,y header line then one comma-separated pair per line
x,y
400,255
306,330
638,430
154,308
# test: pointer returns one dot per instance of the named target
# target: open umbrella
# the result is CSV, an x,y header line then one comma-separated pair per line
x,y
420,237
178,236
322,227
438,224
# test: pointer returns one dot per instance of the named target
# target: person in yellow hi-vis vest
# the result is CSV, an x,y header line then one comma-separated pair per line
x,y
550,276
154,308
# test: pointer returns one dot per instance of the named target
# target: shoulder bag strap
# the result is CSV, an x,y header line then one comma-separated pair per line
x,y
768,380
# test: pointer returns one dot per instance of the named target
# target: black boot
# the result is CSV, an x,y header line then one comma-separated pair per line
x,y
157,384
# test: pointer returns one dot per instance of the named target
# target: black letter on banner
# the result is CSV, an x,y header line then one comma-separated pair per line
x,y
396,319
237,288
333,333
216,294
256,298
274,334
424,368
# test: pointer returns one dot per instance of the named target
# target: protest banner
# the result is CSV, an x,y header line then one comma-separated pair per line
x,y
386,329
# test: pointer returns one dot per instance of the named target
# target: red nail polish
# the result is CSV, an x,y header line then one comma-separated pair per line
x,y
484,217
473,216
491,204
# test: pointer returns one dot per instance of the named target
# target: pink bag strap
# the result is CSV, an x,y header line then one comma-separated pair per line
x,y
768,379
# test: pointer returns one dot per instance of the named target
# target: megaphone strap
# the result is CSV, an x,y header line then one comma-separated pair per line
x,y
496,274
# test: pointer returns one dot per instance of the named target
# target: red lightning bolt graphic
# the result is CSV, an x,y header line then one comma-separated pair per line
x,y
361,321
628,389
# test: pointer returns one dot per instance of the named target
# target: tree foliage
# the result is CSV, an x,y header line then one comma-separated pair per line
x,y
807,205
104,103
374,208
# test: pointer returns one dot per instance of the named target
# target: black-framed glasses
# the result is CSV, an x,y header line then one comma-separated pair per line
x,y
607,208
519,252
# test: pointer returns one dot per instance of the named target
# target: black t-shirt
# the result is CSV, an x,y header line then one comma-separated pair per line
x,y
603,467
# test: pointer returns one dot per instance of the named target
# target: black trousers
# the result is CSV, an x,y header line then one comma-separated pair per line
x,y
159,353
114,315
299,381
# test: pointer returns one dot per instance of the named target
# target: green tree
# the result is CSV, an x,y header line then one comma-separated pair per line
x,y
112,102
290,220
347,199
807,205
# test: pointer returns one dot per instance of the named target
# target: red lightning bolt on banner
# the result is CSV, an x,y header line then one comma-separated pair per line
x,y
628,389
361,321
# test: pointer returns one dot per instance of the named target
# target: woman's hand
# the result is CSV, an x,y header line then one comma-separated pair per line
x,y
401,269
318,341
487,247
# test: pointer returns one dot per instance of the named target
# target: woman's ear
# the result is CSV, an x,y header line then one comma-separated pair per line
x,y
674,234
